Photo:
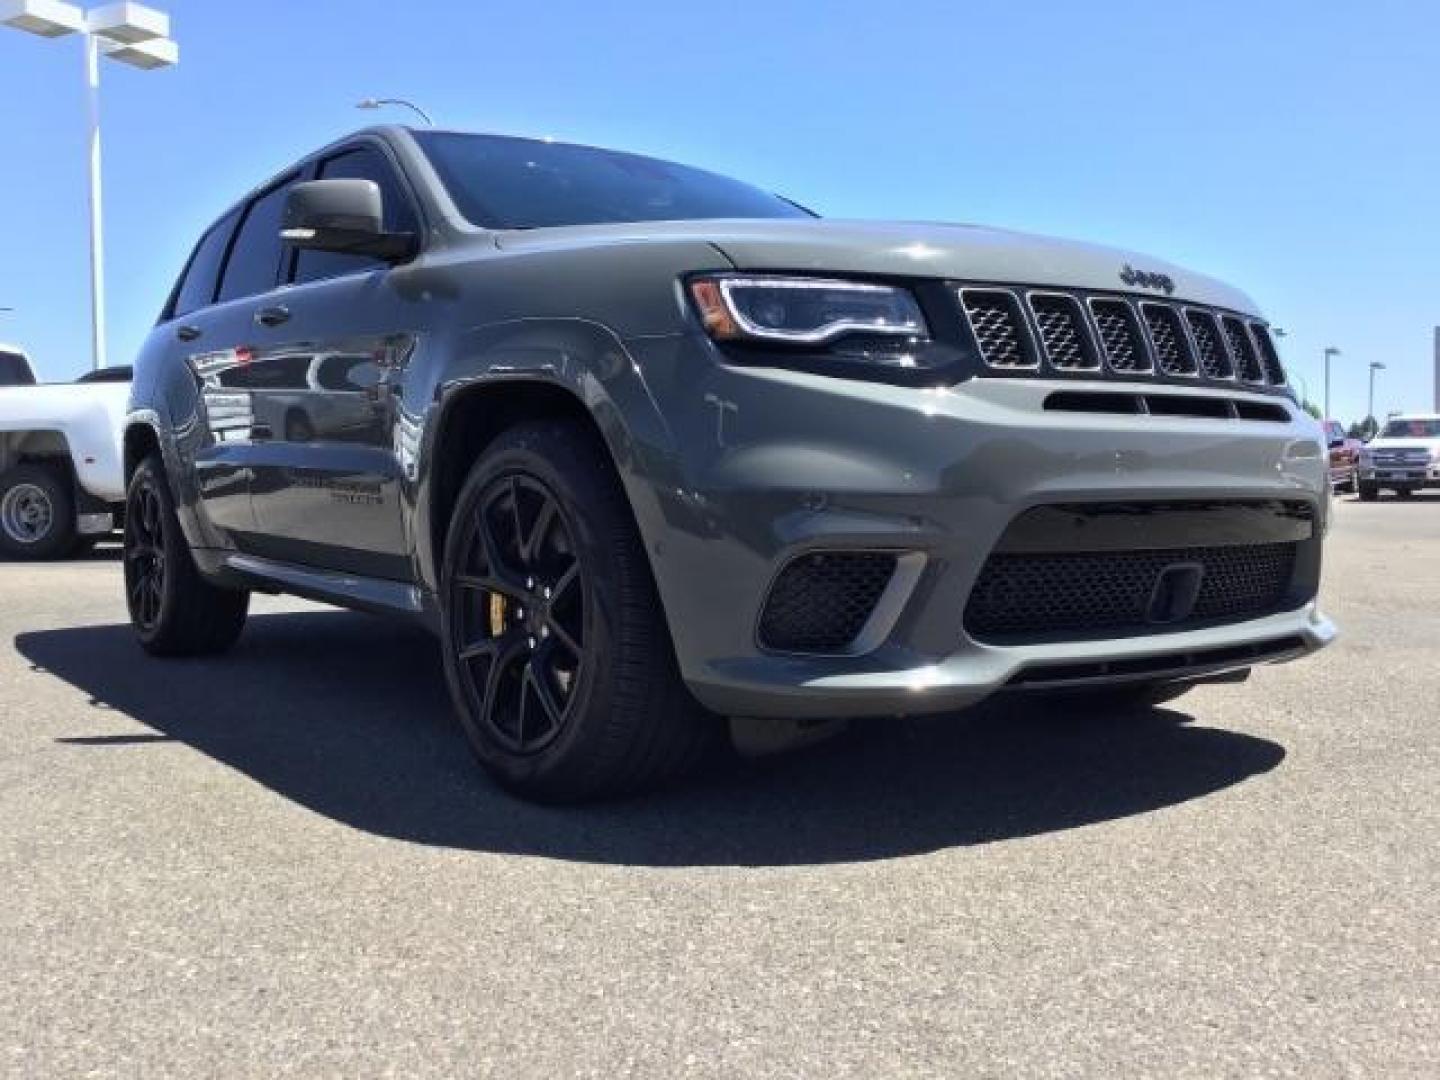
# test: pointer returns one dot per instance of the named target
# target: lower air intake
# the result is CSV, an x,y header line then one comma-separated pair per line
x,y
1035,597
821,601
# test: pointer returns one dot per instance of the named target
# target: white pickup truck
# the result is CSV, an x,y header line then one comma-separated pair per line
x,y
61,472
1403,457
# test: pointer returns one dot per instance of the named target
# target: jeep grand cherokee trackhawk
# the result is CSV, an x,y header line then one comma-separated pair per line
x,y
646,446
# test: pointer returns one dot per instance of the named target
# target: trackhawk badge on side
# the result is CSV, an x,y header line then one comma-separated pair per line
x,y
1144,279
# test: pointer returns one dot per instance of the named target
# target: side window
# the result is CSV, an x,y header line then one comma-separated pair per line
x,y
197,287
255,256
364,163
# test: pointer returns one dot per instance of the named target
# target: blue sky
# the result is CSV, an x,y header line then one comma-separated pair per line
x,y
1291,148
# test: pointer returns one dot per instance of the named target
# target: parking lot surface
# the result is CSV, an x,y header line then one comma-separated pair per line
x,y
283,862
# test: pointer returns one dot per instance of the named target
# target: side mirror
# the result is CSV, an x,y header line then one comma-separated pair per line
x,y
344,215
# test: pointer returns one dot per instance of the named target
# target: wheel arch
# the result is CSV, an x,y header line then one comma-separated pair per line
x,y
528,370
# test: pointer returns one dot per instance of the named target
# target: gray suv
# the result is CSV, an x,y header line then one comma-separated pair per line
x,y
646,447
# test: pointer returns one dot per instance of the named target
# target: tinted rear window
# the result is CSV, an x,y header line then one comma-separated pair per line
x,y
254,259
14,371
505,183
197,288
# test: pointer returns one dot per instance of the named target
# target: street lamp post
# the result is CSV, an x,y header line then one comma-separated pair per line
x,y
1330,351
375,103
1375,366
133,34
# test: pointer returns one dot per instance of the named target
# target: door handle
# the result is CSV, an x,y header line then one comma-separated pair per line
x,y
187,332
272,316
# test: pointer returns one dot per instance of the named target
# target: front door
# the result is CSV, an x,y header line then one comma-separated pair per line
x,y
327,374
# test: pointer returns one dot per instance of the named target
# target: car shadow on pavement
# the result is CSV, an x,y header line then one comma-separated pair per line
x,y
347,715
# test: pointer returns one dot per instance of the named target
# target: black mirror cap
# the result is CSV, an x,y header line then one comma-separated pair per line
x,y
344,215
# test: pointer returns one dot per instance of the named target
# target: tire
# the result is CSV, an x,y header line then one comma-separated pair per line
x,y
557,654
175,611
37,513
1369,492
1404,492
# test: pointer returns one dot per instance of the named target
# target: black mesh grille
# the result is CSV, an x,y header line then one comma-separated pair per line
x,y
998,325
1269,358
1172,351
821,601
1247,361
1061,323
1023,596
1120,336
1214,361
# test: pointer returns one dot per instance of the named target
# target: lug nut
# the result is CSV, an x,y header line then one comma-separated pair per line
x,y
530,583
544,631
547,592
532,643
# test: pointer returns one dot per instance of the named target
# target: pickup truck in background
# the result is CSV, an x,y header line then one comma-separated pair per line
x,y
61,477
1403,457
15,367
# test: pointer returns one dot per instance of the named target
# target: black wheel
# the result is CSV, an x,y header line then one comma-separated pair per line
x,y
1369,492
1404,492
37,513
556,652
174,610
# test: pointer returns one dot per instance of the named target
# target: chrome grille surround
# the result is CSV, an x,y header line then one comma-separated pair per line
x,y
1167,337
1062,331
1121,338
1242,350
1021,331
1000,328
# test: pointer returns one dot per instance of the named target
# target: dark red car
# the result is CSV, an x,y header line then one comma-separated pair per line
x,y
1344,455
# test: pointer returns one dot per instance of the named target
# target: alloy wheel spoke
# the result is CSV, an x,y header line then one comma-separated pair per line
x,y
542,692
511,651
530,545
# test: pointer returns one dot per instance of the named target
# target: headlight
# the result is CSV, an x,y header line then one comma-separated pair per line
x,y
804,311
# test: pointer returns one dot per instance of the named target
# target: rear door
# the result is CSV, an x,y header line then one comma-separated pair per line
x,y
212,428
332,350
222,355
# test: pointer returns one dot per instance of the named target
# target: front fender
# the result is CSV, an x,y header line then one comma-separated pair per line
x,y
588,361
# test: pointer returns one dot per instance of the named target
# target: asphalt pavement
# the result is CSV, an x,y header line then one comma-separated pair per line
x,y
283,863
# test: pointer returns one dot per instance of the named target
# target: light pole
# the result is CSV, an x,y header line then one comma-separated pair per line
x,y
1330,351
1375,366
130,33
375,103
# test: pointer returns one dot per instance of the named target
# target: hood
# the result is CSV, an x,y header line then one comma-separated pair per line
x,y
910,249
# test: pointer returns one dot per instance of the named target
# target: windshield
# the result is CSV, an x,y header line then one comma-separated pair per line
x,y
14,371
1412,429
507,183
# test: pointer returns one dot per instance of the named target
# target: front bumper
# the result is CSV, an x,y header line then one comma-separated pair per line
x,y
1405,475
770,464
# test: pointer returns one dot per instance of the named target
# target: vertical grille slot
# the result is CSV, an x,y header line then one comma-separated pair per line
x,y
1172,349
1214,359
1120,336
1269,358
999,327
1063,333
1247,360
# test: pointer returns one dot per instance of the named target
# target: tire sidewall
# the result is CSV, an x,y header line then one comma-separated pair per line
x,y
146,474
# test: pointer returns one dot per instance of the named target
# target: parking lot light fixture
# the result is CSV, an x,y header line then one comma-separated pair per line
x,y
375,103
133,34
45,18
